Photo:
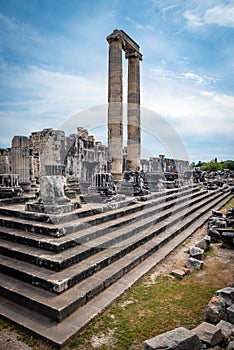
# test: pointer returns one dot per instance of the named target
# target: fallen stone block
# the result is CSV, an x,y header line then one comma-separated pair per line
x,y
169,277
230,314
194,263
180,273
230,345
216,309
214,234
196,252
204,243
217,213
227,238
230,212
227,329
177,339
209,333
221,223
227,294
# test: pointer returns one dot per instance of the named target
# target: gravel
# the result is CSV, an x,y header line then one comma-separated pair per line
x,y
9,341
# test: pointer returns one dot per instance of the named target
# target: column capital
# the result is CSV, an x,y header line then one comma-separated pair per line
x,y
134,54
115,36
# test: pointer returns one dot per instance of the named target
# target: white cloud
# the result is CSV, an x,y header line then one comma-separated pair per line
x,y
221,15
163,73
43,98
225,100
207,93
195,112
15,30
193,20
139,25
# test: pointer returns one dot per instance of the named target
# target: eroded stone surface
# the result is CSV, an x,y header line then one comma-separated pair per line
x,y
177,339
227,294
230,314
194,263
215,310
209,333
227,328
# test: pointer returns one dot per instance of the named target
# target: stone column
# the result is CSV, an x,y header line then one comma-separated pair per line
x,y
20,158
134,130
115,108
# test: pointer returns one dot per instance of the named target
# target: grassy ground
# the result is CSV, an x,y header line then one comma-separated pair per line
x,y
154,304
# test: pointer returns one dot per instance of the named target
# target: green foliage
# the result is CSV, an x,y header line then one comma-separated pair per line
x,y
214,165
211,166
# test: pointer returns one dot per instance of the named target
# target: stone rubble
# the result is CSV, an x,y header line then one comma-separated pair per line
x,y
217,331
180,273
204,243
227,294
217,335
230,314
194,263
215,310
196,252
177,339
227,329
221,227
208,333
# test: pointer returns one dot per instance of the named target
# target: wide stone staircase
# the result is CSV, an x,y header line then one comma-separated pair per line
x,y
57,272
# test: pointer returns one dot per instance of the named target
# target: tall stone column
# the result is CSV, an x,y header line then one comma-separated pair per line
x,y
134,128
20,158
115,107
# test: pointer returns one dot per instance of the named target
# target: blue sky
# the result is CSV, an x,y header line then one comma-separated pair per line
x,y
54,65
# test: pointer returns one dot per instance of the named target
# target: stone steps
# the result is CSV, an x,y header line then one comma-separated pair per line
x,y
124,216
97,272
103,237
18,210
59,225
60,243
61,302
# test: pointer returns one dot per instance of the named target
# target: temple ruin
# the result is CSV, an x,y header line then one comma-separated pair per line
x,y
71,240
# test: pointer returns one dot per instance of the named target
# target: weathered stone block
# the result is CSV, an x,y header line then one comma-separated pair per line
x,y
180,273
230,345
227,238
227,294
230,314
52,197
52,190
215,310
209,333
194,263
214,234
177,339
227,328
204,243
196,252
217,213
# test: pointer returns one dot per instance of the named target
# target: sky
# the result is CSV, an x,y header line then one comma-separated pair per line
x,y
54,70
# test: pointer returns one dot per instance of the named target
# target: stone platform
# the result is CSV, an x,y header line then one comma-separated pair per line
x,y
60,271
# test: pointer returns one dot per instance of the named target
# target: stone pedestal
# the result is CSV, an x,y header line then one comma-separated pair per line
x,y
52,199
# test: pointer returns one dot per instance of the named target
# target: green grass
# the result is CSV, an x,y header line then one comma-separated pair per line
x,y
157,308
3,325
229,204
